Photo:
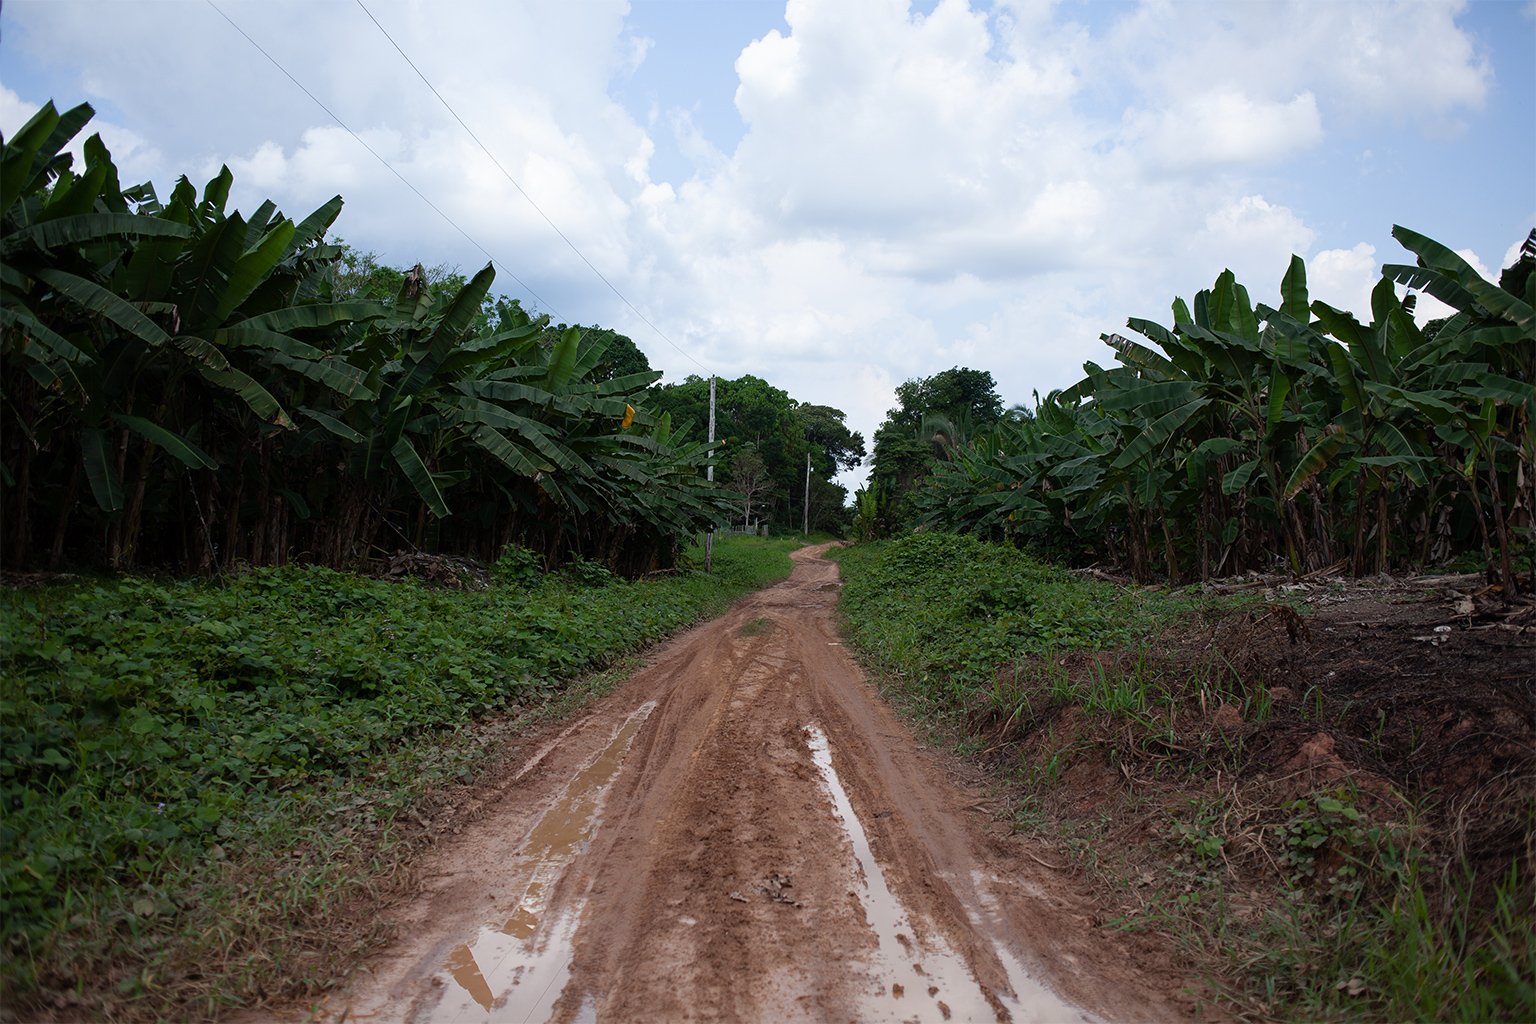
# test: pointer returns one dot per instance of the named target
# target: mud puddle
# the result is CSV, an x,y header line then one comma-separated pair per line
x,y
914,979
1031,1000
515,970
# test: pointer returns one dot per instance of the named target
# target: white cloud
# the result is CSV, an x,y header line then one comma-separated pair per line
x,y
1477,264
1219,128
1360,59
1343,278
1512,254
638,48
1252,237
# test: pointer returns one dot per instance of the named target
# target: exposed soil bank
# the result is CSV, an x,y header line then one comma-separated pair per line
x,y
744,831
1330,811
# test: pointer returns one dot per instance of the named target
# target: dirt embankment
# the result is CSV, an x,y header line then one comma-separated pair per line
x,y
743,831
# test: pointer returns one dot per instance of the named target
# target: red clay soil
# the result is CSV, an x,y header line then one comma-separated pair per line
x,y
745,831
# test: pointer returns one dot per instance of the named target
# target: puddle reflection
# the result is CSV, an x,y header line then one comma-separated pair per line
x,y
514,971
929,982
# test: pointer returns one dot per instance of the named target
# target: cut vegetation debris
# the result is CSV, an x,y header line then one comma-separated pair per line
x,y
1327,815
200,779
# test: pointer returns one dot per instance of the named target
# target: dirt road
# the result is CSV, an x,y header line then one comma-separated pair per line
x,y
743,831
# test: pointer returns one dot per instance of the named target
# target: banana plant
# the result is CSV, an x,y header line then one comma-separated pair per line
x,y
1250,432
1485,354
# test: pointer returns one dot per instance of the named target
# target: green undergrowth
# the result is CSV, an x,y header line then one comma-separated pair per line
x,y
1327,907
1165,774
194,775
941,614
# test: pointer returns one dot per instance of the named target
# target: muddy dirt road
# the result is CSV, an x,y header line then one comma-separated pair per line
x,y
743,831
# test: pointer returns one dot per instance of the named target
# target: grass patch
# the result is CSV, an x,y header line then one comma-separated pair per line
x,y
1333,910
942,614
197,777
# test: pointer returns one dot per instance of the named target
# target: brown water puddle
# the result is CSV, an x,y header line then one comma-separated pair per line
x,y
912,980
921,980
1031,999
514,970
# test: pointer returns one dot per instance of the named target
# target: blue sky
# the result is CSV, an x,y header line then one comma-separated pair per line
x,y
838,195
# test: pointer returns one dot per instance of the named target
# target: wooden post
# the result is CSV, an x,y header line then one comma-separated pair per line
x,y
709,535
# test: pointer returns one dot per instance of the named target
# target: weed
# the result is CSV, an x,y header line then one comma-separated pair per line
x,y
517,566
1199,836
1418,951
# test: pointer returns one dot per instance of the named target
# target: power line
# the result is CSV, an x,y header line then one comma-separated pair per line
x,y
386,163
506,174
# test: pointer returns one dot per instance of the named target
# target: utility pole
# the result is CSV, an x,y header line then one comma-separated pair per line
x,y
805,527
709,535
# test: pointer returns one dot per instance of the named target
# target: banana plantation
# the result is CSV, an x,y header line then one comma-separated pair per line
x,y
1256,437
186,386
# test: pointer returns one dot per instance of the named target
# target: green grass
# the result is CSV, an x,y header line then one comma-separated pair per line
x,y
1359,925
195,775
1403,954
942,614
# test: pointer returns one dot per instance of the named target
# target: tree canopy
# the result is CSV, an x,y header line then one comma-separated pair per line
x,y
753,416
935,415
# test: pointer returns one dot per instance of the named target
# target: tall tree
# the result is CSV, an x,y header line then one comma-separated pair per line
x,y
965,397
781,432
935,416
825,429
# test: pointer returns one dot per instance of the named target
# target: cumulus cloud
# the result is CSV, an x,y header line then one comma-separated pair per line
x,y
1219,128
1343,278
1252,237
1512,254
1360,59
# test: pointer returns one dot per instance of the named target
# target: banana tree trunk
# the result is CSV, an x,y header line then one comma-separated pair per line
x,y
208,559
1507,576
262,527
232,547
1139,542
115,529
1170,555
18,521
1357,552
1205,532
61,530
134,520
1482,524
1383,519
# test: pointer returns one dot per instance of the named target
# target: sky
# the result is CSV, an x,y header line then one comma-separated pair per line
x,y
834,195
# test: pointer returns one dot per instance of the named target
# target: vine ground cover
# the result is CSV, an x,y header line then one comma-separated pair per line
x,y
1322,805
197,777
